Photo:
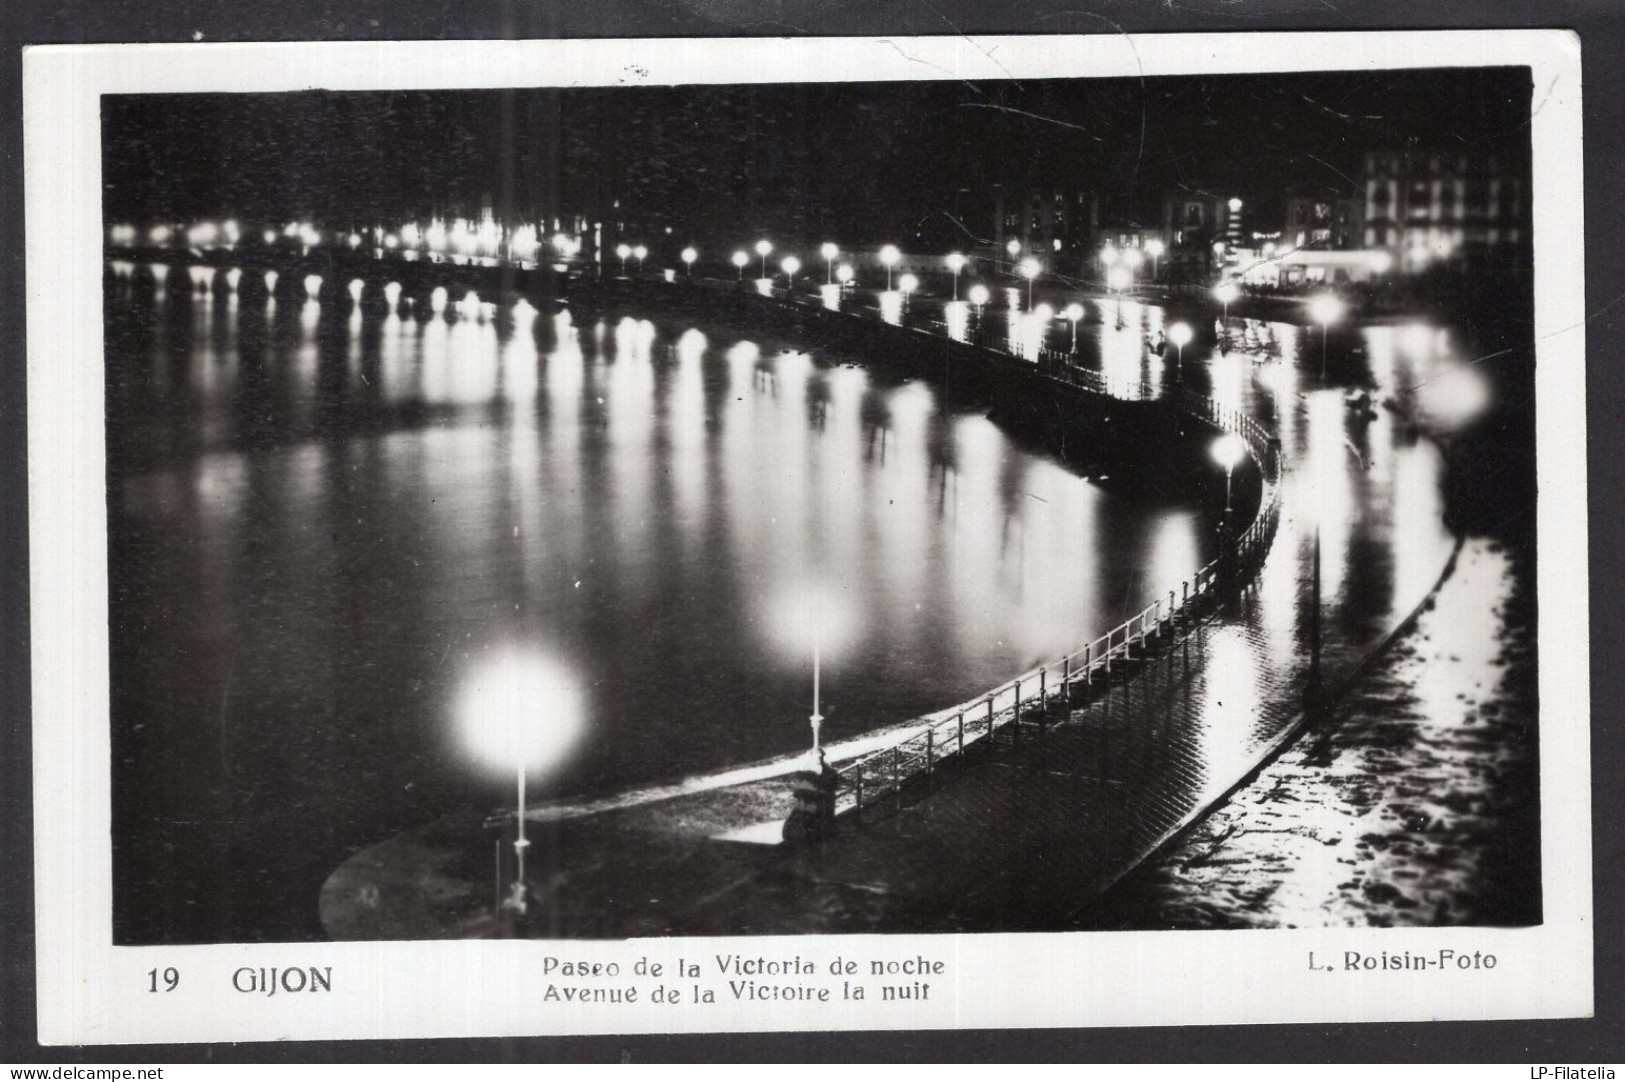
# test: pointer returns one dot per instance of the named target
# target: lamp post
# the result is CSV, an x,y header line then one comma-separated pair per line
x,y
1013,248
1224,293
956,263
623,250
1030,270
763,247
1227,452
829,252
790,264
1179,334
689,255
978,296
521,713
640,253
843,274
1325,309
1073,312
889,255
1154,248
908,284
740,259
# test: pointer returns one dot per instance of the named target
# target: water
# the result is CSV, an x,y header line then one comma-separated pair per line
x,y
325,527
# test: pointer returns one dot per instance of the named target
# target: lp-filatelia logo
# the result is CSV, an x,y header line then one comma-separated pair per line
x,y
1570,1074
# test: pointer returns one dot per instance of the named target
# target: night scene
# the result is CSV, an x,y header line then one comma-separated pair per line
x,y
928,506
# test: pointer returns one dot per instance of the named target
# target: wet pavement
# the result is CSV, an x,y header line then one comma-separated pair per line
x,y
1030,836
1412,803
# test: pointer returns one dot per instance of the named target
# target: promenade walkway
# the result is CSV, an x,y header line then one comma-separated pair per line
x,y
1015,836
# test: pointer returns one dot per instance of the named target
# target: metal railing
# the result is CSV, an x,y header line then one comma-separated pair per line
x,y
880,777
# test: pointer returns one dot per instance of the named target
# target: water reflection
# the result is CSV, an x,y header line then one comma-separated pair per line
x,y
374,501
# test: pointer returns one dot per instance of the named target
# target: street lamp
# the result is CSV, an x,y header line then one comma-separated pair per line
x,y
978,297
1180,335
1325,309
623,250
762,248
1013,247
689,256
1108,254
1227,452
829,252
641,253
1154,248
908,284
843,274
790,264
1132,259
813,616
1030,270
956,263
1224,293
740,259
889,255
1073,312
521,713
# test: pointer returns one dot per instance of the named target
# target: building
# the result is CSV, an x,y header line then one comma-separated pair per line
x,y
1323,223
1054,223
1198,228
1455,206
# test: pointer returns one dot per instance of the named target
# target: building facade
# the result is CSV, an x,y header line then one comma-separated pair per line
x,y
1443,207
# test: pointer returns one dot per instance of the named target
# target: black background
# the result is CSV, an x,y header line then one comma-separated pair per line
x,y
1601,25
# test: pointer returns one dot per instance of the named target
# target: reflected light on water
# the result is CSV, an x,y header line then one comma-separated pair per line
x,y
891,306
956,317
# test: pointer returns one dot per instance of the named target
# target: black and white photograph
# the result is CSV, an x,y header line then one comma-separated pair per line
x,y
937,505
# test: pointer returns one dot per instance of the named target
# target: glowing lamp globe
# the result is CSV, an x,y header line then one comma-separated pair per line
x,y
790,265
763,247
1228,451
1180,334
829,251
1029,268
521,711
740,259
641,252
1226,292
978,294
889,255
623,250
1118,278
908,283
1073,312
843,273
1325,309
956,262
690,255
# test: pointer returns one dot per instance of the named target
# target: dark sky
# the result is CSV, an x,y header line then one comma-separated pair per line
x,y
861,160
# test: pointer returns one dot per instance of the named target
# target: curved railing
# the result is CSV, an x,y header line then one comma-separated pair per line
x,y
881,775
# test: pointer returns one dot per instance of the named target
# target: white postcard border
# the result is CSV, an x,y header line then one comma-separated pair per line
x,y
92,992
